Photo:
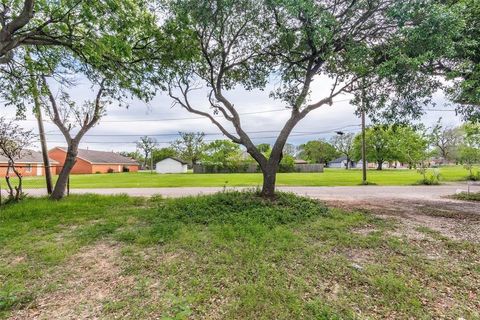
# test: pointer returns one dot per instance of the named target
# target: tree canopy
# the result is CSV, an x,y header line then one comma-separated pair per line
x,y
351,45
318,151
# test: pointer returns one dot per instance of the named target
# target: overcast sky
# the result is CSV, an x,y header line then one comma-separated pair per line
x,y
262,116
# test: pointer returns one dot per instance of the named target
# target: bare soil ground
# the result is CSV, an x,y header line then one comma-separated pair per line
x,y
456,220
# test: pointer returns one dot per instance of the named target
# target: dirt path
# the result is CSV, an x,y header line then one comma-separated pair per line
x,y
456,220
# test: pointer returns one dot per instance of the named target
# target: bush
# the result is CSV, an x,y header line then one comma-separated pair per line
x,y
429,179
110,170
234,207
468,196
287,164
474,176
243,167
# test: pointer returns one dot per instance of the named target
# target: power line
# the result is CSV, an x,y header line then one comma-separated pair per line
x,y
185,118
294,134
177,134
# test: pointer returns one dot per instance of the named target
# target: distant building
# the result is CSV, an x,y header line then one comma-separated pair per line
x,y
30,163
91,161
341,163
171,165
300,161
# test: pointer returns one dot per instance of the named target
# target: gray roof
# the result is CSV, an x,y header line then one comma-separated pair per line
x,y
176,159
27,156
339,160
100,157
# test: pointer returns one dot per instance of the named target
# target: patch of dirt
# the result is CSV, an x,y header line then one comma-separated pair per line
x,y
361,256
91,278
457,220
365,230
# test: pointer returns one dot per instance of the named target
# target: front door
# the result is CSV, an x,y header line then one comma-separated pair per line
x,y
39,170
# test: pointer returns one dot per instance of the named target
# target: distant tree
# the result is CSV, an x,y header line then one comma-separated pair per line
x,y
135,155
379,143
472,134
411,146
289,149
469,151
159,154
446,140
146,145
189,146
264,147
222,152
317,151
13,141
469,157
343,143
287,164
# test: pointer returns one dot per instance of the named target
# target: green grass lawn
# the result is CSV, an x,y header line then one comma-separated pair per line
x,y
331,177
226,256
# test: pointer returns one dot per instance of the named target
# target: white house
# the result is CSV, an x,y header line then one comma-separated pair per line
x,y
171,165
341,163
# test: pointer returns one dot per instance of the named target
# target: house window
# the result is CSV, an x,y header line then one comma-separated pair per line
x,y
28,168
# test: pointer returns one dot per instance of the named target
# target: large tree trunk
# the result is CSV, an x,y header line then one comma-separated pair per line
x,y
61,185
379,165
269,178
269,171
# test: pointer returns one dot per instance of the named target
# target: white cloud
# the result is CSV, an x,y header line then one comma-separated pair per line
x,y
125,125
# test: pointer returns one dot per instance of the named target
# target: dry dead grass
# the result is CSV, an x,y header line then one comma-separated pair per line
x,y
93,275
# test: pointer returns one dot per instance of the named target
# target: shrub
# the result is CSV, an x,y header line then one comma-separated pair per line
x,y
429,179
468,196
110,170
242,167
234,207
287,164
474,176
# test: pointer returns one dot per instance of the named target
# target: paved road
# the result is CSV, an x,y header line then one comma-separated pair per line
x,y
324,193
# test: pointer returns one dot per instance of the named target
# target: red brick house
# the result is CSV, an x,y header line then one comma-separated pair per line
x,y
91,161
30,163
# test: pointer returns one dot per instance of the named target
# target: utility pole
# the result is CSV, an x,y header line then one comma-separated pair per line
x,y
151,161
364,161
41,130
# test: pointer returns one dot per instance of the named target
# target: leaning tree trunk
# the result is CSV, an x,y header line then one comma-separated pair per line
x,y
61,185
15,192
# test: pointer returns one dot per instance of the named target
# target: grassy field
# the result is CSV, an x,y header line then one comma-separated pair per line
x,y
331,177
227,256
